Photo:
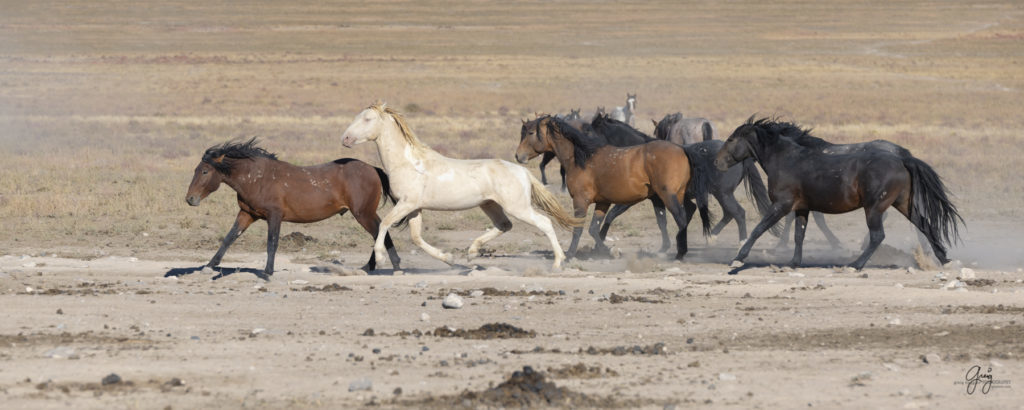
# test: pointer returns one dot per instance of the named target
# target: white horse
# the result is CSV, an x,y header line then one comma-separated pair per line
x,y
422,178
625,113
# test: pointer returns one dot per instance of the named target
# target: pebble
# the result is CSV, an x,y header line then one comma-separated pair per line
x,y
931,358
899,286
452,301
424,317
726,376
60,352
299,282
967,273
360,385
476,293
112,378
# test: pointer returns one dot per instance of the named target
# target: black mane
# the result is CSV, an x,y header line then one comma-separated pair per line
x,y
618,133
223,156
583,145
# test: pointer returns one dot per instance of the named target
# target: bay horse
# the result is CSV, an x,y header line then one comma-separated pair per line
x,y
277,191
422,178
803,179
722,185
602,174
684,130
531,144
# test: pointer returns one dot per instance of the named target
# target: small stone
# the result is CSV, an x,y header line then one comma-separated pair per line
x,y
476,293
796,275
452,301
360,385
112,378
726,376
398,391
895,321
931,358
299,282
967,273
421,284
60,311
424,317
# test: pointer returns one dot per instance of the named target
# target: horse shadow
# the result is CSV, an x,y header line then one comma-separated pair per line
x,y
221,272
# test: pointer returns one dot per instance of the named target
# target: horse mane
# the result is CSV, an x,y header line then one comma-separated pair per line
x,y
584,146
222,157
617,132
407,133
661,130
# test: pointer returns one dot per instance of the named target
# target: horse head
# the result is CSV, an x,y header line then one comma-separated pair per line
x,y
205,180
738,147
366,126
530,142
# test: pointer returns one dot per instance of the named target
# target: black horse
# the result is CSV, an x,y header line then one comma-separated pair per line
x,y
803,179
702,156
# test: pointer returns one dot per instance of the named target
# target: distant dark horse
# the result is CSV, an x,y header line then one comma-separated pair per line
x,y
802,179
278,191
602,174
722,184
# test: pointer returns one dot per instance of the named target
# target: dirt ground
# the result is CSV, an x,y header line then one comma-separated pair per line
x,y
106,107
629,332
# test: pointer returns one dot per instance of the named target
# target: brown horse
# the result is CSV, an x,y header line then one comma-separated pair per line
x,y
278,191
602,174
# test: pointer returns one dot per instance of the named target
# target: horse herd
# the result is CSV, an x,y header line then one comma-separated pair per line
x,y
605,162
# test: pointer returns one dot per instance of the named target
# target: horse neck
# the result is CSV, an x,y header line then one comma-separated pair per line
x,y
564,150
392,148
245,174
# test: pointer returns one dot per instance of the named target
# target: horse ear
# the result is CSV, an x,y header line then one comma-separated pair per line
x,y
523,120
654,122
219,159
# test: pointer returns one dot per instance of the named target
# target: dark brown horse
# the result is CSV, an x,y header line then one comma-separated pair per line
x,y
803,179
278,191
602,174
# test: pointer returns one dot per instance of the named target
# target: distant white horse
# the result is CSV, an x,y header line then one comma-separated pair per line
x,y
422,178
625,113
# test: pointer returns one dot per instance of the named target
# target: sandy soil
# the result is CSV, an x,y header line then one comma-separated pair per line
x,y
665,334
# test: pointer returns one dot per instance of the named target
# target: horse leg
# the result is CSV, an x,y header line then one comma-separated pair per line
x,y
662,220
924,233
273,234
682,218
731,210
416,231
371,223
784,236
242,221
401,210
778,211
595,232
798,237
579,211
617,210
561,170
833,241
874,219
544,160
501,225
531,216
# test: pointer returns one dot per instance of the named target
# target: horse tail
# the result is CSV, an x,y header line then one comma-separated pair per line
x,y
758,192
544,200
708,132
385,184
931,210
699,186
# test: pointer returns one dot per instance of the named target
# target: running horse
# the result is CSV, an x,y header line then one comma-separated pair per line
x,y
277,191
424,179
684,130
603,174
803,179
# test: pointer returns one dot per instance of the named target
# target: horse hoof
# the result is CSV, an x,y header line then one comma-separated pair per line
x,y
736,264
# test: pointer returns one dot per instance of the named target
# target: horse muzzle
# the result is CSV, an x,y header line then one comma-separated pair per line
x,y
192,200
521,158
721,164
348,141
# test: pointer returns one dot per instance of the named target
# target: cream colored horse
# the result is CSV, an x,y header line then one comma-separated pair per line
x,y
422,178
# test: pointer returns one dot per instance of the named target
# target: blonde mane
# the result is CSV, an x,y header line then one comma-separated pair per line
x,y
407,133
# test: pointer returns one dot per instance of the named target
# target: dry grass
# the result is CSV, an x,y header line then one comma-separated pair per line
x,y
104,110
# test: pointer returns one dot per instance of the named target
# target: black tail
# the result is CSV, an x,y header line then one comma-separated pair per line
x,y
931,210
758,192
385,184
701,171
709,134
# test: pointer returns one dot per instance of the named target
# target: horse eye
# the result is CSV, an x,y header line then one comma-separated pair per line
x,y
205,172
